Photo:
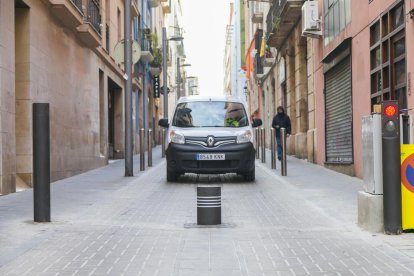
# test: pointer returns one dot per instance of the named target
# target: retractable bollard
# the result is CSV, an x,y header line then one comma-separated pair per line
x,y
263,142
142,149
163,142
149,147
41,162
257,137
272,147
209,205
283,144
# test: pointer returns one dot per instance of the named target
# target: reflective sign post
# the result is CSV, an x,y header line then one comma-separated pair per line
x,y
391,167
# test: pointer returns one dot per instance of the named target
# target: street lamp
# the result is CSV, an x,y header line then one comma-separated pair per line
x,y
164,66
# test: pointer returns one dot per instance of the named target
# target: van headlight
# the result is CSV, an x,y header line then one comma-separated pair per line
x,y
244,137
177,138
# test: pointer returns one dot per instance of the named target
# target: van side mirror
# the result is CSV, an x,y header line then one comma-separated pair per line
x,y
163,123
257,122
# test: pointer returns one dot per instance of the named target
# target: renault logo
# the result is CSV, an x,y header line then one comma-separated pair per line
x,y
210,141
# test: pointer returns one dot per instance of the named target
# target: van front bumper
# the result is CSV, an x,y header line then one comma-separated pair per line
x,y
182,158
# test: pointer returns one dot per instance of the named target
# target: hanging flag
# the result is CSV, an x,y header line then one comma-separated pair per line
x,y
262,47
249,61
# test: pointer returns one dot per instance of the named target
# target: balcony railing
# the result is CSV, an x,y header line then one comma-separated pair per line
x,y
94,15
281,19
257,16
78,4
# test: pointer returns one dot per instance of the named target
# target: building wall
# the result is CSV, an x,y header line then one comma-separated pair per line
x,y
7,98
51,65
363,14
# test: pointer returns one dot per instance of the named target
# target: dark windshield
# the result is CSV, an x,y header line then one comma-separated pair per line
x,y
210,114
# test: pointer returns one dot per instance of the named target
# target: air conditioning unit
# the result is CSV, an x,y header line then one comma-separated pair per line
x,y
311,23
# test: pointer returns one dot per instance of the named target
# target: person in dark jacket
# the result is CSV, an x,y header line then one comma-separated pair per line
x,y
281,120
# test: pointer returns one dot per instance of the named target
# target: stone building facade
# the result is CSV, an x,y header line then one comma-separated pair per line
x,y
60,52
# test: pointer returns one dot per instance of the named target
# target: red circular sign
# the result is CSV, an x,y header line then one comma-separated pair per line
x,y
407,173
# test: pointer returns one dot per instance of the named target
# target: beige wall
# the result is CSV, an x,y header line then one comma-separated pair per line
x,y
53,66
7,107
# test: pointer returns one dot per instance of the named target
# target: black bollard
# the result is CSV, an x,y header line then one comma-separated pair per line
x,y
209,205
391,167
41,162
283,144
149,147
142,149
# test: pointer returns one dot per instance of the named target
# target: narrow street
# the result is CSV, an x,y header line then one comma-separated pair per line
x,y
106,224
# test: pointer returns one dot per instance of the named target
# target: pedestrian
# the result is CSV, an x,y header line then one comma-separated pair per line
x,y
281,120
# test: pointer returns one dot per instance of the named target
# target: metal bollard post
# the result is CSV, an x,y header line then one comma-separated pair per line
x,y
41,162
163,142
142,149
283,144
149,147
263,138
257,137
272,147
209,205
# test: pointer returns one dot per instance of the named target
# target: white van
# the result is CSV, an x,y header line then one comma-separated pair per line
x,y
210,135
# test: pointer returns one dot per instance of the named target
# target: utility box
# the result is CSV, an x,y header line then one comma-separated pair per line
x,y
372,154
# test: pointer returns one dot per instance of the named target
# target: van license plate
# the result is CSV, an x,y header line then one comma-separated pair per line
x,y
211,156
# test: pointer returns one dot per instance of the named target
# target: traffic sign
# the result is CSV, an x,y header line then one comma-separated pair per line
x,y
162,90
407,186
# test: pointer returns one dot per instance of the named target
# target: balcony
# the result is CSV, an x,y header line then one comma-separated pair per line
x,y
257,16
153,3
69,12
281,19
90,31
166,7
134,8
146,51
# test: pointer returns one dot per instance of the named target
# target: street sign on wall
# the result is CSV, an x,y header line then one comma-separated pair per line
x,y
162,90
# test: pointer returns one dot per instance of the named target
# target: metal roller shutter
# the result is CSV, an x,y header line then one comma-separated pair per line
x,y
338,108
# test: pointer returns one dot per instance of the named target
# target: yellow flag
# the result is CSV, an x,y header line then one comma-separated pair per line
x,y
262,48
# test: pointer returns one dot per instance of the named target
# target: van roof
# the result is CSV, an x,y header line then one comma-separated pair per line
x,y
197,98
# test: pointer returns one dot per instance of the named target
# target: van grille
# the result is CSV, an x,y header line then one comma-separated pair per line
x,y
219,141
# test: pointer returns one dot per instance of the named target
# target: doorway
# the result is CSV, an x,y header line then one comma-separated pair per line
x,y
115,141
23,101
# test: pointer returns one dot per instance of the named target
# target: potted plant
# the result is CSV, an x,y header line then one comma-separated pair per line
x,y
156,63
269,59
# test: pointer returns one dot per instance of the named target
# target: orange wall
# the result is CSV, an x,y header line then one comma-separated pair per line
x,y
363,14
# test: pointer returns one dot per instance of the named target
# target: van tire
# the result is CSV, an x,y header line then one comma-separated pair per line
x,y
171,176
250,176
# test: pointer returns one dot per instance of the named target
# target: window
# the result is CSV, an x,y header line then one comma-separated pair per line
x,y
337,14
210,114
388,57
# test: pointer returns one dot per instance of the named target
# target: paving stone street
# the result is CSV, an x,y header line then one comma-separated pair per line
x,y
106,224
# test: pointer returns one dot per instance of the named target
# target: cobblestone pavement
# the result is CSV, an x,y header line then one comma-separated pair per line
x,y
106,224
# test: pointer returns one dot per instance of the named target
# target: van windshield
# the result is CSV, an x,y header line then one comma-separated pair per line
x,y
210,114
